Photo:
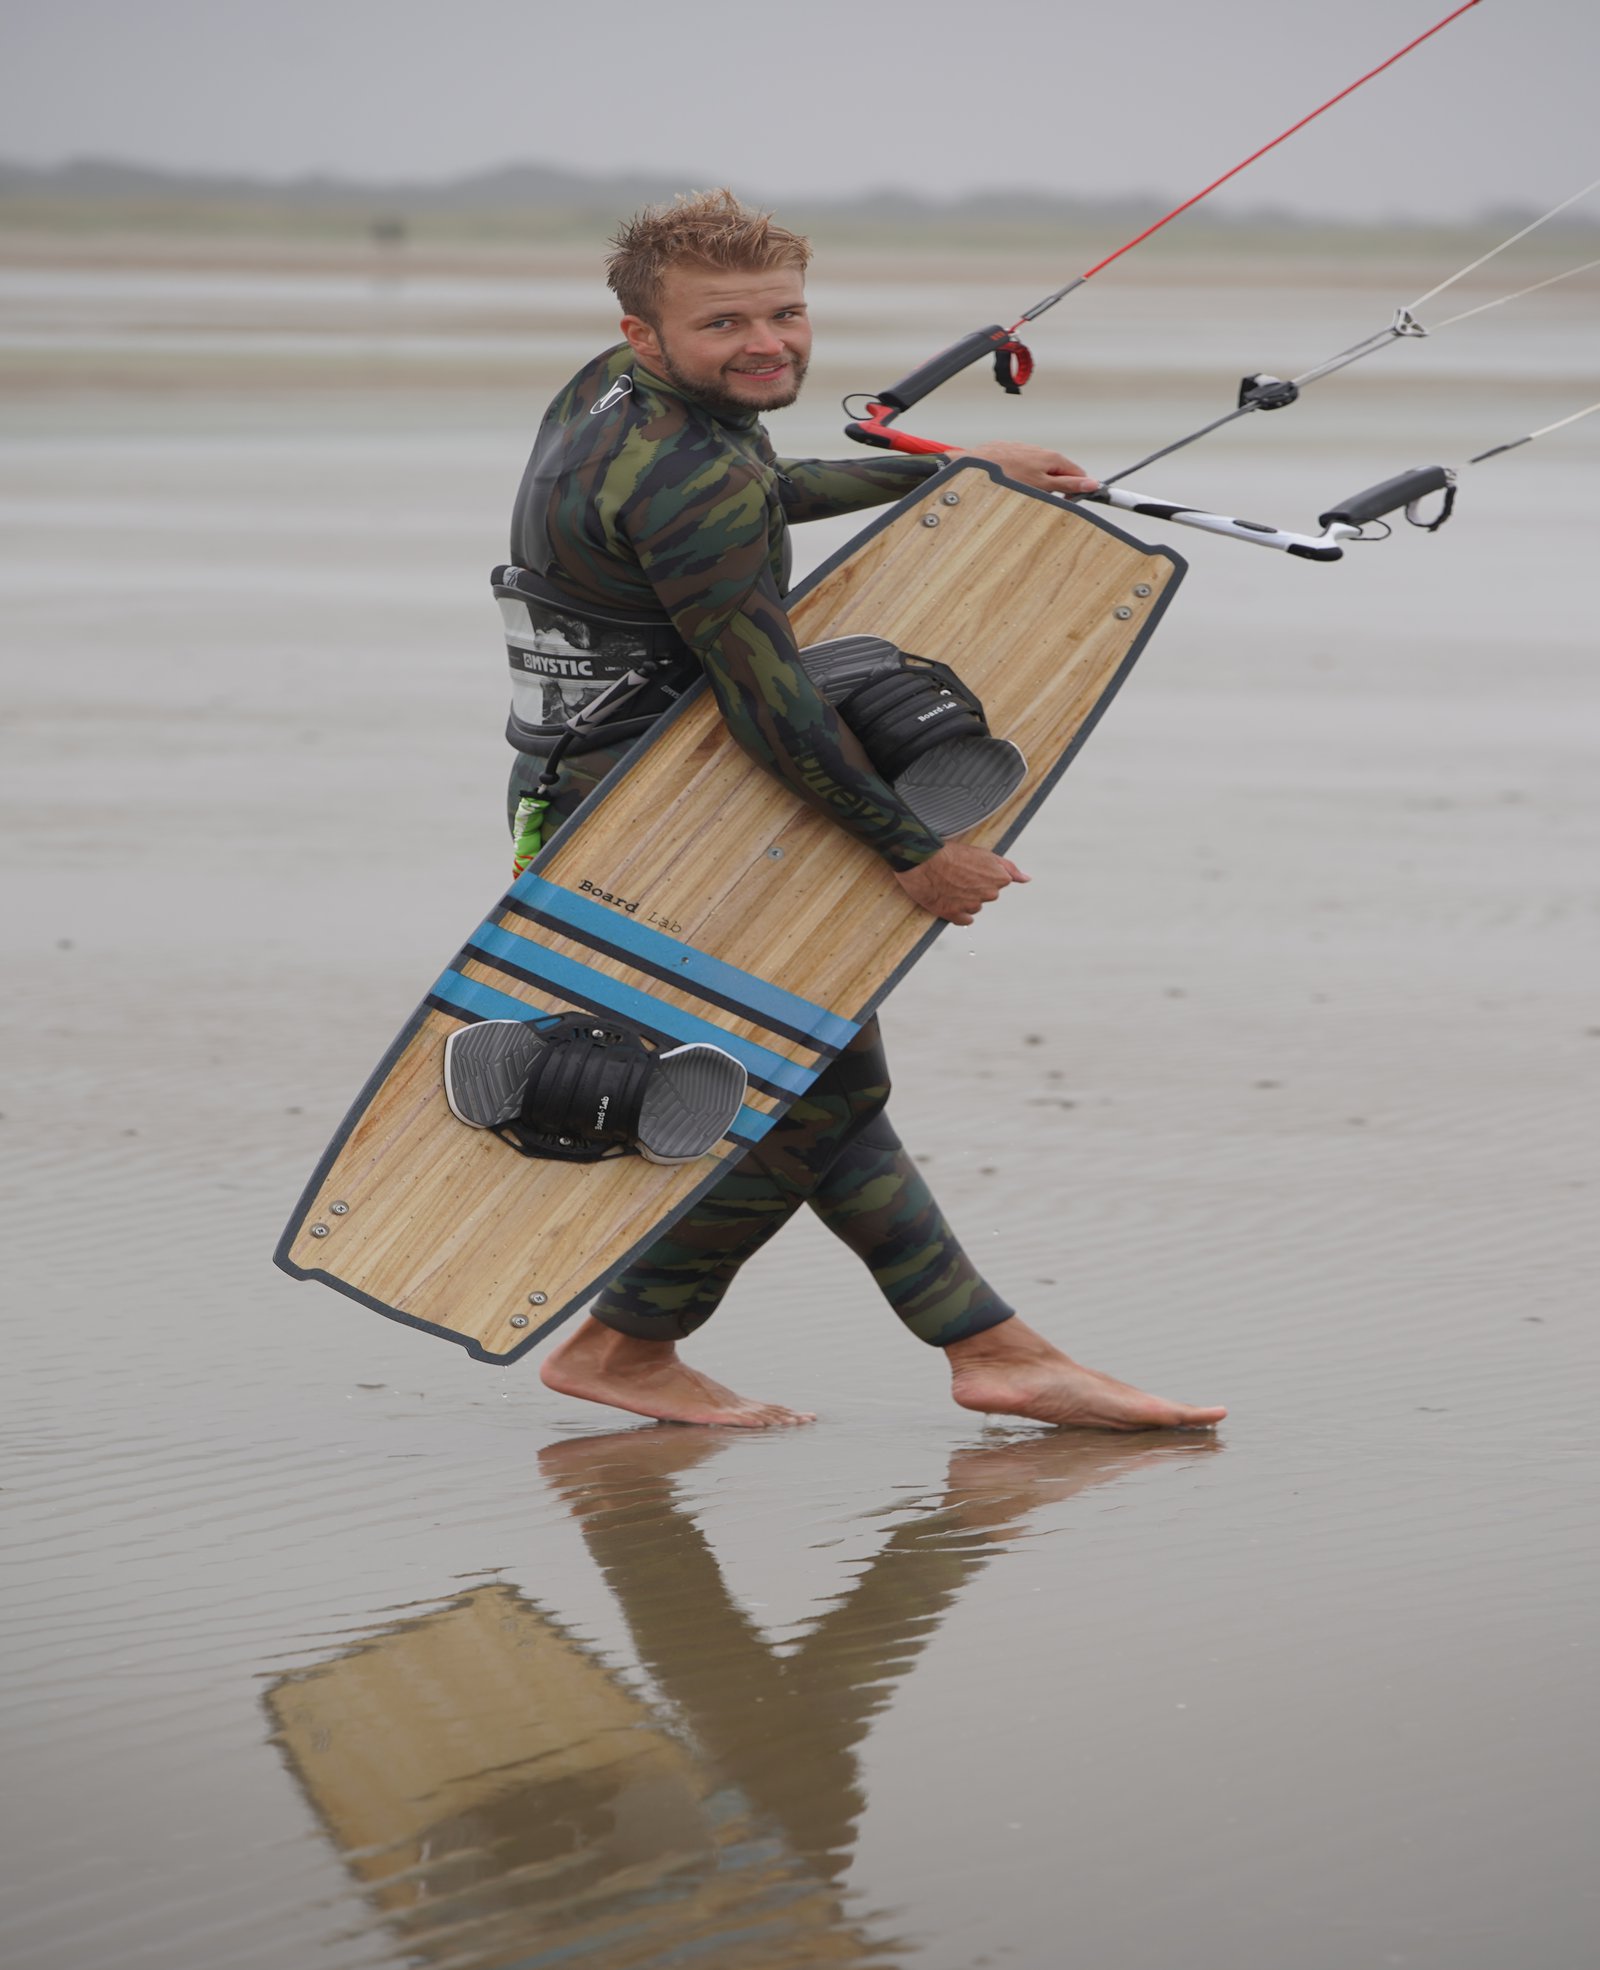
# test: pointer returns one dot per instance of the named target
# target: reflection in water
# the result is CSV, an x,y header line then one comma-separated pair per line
x,y
508,1800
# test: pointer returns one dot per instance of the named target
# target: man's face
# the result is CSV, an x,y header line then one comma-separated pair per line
x,y
734,341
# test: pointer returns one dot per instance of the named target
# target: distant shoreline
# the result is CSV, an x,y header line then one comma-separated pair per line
x,y
94,228
541,203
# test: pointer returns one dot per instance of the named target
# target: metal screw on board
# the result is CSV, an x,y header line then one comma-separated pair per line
x,y
536,1299
1123,614
339,1210
952,499
319,1231
519,1320
930,519
1141,588
774,854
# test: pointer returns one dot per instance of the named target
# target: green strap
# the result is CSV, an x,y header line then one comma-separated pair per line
x,y
527,833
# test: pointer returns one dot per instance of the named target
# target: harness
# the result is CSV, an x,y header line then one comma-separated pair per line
x,y
569,660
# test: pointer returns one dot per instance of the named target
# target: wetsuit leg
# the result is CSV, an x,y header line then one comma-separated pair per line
x,y
679,1282
877,1201
834,1149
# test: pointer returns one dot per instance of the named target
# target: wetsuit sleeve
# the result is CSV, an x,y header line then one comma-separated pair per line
x,y
710,566
820,488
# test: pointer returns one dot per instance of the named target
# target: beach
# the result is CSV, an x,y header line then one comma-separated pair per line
x,y
1276,1087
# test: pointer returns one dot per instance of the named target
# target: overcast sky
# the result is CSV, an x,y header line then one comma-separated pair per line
x,y
828,95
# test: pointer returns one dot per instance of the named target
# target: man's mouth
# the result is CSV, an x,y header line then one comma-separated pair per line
x,y
763,370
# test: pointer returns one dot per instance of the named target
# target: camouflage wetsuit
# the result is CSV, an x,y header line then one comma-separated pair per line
x,y
639,499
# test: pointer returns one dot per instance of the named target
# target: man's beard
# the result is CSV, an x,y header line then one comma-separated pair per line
x,y
723,402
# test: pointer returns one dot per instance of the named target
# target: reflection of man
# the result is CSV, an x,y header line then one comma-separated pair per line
x,y
505,1796
785,1725
653,521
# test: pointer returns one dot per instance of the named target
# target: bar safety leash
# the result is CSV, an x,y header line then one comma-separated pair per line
x,y
527,825
1013,363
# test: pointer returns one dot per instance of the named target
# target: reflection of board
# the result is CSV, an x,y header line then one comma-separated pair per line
x,y
409,1745
505,1798
696,898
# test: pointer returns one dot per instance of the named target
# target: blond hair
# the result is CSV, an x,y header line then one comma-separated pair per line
x,y
707,229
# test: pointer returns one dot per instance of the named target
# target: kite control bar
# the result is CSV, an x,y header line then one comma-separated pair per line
x,y
1325,546
1341,523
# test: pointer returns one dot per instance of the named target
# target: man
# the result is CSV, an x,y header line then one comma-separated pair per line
x,y
653,520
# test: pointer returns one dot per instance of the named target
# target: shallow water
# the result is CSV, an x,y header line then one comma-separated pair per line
x,y
327,1646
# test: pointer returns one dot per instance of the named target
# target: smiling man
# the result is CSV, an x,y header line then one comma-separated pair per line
x,y
653,522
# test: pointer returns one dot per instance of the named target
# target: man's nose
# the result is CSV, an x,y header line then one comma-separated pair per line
x,y
763,340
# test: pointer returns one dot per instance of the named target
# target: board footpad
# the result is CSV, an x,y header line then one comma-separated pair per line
x,y
672,1107
486,1067
691,1100
957,785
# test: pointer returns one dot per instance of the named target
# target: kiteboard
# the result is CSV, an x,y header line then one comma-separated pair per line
x,y
697,900
487,1778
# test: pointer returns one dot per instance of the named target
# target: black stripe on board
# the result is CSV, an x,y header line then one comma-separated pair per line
x,y
667,976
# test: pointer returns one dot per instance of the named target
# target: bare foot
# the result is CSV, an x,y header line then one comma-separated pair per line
x,y
647,1378
1012,1371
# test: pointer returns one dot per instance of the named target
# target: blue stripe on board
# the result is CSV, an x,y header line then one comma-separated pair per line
x,y
454,993
568,976
764,999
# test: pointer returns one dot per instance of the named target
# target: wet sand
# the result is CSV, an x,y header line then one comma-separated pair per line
x,y
328,1646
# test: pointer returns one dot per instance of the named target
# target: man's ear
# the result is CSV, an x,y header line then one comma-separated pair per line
x,y
642,338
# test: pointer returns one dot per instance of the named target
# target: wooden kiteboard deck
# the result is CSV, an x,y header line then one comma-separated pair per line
x,y
696,898
504,1796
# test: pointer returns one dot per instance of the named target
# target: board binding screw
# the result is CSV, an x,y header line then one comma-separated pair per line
x,y
536,1299
1123,614
519,1320
930,519
1141,588
952,499
319,1231
339,1210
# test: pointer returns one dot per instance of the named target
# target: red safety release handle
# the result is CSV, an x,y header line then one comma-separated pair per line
x,y
875,429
